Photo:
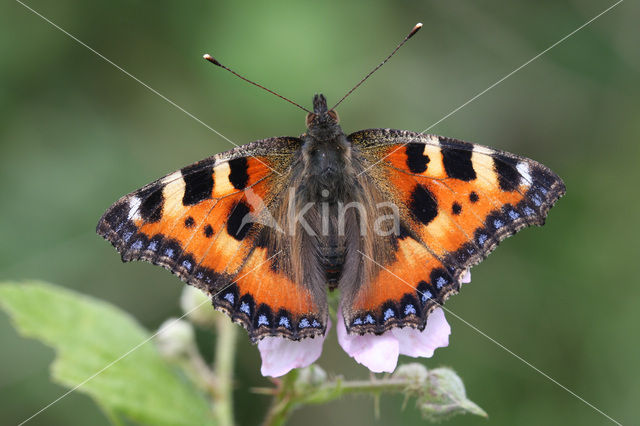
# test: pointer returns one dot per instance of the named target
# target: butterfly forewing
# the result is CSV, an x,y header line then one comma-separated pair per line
x,y
457,202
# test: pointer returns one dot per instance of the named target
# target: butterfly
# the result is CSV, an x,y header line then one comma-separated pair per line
x,y
393,219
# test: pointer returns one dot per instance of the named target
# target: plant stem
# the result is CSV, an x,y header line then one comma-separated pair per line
x,y
288,399
283,402
223,370
279,412
200,373
365,386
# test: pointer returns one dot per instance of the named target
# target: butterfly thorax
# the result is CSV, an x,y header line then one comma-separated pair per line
x,y
326,156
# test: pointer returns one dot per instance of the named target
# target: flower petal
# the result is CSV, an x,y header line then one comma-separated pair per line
x,y
377,353
415,343
281,355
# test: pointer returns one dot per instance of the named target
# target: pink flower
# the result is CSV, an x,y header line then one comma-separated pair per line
x,y
280,355
377,353
380,353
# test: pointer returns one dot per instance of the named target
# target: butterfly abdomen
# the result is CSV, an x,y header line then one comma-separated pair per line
x,y
332,260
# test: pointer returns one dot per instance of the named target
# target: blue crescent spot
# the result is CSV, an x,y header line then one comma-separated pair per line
x,y
426,296
482,238
137,245
284,321
244,307
514,214
369,319
262,320
357,321
409,309
187,264
497,223
528,211
304,323
168,252
229,297
440,282
389,314
153,246
315,324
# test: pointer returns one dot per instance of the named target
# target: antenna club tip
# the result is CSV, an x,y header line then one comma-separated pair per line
x,y
415,29
211,59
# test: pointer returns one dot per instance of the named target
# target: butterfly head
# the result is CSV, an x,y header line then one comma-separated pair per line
x,y
322,123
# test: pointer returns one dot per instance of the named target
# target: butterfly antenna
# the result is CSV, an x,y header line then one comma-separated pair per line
x,y
415,29
215,62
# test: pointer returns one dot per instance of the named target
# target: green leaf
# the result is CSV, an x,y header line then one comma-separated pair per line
x,y
89,337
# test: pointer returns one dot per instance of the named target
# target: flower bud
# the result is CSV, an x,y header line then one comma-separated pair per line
x,y
412,372
312,375
197,306
175,339
445,396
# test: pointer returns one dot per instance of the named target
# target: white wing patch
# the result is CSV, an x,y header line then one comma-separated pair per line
x,y
134,208
523,169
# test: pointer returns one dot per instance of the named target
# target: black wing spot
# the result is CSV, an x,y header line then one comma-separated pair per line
x,y
416,160
423,204
198,184
457,163
208,231
473,197
238,176
508,175
235,225
189,222
151,206
456,208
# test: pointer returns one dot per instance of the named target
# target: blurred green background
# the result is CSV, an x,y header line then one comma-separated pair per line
x,y
77,133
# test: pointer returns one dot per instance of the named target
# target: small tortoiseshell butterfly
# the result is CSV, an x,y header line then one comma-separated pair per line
x,y
267,228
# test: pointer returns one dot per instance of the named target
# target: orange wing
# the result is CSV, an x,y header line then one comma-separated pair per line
x,y
457,202
202,223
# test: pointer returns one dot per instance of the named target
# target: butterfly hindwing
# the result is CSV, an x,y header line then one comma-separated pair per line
x,y
404,292
457,202
203,223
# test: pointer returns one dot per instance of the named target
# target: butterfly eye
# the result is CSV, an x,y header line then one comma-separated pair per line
x,y
333,114
310,117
